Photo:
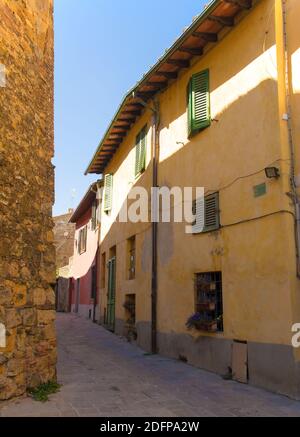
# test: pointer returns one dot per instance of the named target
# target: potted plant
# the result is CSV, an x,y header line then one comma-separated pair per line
x,y
196,321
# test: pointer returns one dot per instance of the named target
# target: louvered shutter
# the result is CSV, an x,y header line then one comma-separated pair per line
x,y
84,239
199,213
199,102
143,150
212,212
137,155
140,153
189,109
108,187
207,214
94,216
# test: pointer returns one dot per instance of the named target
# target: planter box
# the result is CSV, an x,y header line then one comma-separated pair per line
x,y
206,326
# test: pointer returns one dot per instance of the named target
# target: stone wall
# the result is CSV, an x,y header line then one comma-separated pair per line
x,y
27,254
64,233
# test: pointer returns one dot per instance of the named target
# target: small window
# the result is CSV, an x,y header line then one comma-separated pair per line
x,y
211,214
94,216
198,102
130,317
131,258
129,306
209,301
108,192
140,152
82,240
94,283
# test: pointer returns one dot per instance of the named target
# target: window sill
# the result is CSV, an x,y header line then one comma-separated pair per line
x,y
207,231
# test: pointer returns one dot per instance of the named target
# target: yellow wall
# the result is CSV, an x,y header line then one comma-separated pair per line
x,y
256,257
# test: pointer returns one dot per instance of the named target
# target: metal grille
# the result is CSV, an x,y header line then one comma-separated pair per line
x,y
209,300
129,306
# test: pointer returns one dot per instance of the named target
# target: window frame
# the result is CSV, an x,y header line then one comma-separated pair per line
x,y
209,305
208,228
131,258
94,216
82,240
108,192
195,126
141,152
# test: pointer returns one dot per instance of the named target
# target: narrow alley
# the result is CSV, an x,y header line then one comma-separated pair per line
x,y
104,376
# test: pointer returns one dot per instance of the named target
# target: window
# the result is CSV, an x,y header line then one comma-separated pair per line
x,y
94,283
108,192
198,103
131,252
130,317
140,152
82,240
94,216
209,301
211,214
129,306
103,270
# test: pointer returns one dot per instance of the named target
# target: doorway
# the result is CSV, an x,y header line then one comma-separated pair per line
x,y
77,301
111,295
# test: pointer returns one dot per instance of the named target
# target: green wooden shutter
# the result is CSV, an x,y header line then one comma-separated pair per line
x,y
143,149
137,155
212,212
108,190
199,102
140,154
189,102
94,216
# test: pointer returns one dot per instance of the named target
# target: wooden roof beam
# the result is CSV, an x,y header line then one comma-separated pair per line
x,y
244,4
122,126
206,36
224,21
113,143
157,85
145,95
167,74
192,51
106,154
134,113
135,106
116,137
128,120
179,63
119,130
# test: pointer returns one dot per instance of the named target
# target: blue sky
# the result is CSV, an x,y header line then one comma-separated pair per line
x,y
102,48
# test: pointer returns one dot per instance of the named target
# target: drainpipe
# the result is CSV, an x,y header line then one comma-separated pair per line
x,y
155,162
291,139
98,193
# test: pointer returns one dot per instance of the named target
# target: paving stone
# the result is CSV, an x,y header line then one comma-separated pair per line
x,y
104,376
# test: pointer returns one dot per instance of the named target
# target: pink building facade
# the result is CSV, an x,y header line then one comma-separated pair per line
x,y
84,272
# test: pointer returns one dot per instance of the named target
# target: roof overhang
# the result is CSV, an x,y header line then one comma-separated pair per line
x,y
85,203
203,33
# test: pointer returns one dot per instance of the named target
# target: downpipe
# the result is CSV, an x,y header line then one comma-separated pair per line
x,y
298,235
294,193
154,281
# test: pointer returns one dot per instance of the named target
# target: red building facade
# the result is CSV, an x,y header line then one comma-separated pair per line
x,y
84,270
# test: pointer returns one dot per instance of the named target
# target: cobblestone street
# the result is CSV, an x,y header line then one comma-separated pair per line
x,y
104,376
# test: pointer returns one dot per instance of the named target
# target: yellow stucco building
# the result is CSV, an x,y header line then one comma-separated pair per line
x,y
218,109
